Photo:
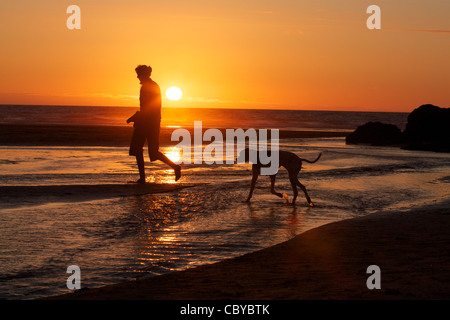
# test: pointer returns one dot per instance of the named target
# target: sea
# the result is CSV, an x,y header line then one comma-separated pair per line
x,y
120,238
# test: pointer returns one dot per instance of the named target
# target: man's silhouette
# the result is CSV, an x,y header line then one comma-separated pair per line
x,y
147,124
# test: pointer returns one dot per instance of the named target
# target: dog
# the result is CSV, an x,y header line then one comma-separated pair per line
x,y
291,162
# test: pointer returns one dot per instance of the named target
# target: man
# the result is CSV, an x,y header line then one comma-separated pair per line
x,y
147,123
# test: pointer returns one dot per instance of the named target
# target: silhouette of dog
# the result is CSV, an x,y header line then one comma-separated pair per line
x,y
288,160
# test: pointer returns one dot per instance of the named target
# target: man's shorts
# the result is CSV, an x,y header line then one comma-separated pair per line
x,y
149,132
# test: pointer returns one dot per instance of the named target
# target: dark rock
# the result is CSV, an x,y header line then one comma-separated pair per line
x,y
428,129
428,124
375,133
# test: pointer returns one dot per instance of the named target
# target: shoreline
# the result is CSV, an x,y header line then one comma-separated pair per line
x,y
12,197
112,136
328,262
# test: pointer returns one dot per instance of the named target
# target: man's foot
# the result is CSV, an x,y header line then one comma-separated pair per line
x,y
141,181
177,173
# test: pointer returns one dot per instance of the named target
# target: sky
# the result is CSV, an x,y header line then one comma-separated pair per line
x,y
281,54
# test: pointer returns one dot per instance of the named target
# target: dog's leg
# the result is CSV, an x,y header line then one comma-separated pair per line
x,y
255,173
294,188
306,193
272,187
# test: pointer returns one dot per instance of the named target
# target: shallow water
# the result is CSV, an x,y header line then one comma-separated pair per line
x,y
119,239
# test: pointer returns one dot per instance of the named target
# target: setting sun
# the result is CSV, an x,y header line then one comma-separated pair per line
x,y
174,93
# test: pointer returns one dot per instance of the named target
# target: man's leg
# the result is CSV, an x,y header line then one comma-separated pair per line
x,y
141,166
136,149
155,154
174,166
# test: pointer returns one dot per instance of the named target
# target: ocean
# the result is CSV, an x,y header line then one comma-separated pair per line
x,y
213,118
119,238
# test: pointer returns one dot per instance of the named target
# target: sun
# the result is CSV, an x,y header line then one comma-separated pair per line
x,y
174,93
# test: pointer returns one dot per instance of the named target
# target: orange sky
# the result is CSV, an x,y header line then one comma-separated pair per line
x,y
315,55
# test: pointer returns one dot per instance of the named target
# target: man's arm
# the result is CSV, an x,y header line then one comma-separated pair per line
x,y
134,117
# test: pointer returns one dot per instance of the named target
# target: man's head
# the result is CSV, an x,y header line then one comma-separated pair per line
x,y
143,72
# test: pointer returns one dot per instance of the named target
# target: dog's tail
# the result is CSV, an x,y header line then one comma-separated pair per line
x,y
318,157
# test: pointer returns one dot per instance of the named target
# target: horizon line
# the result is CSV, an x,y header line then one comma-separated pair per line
x,y
226,108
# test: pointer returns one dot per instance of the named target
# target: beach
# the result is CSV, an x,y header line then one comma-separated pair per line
x,y
69,199
33,196
128,169
411,249
82,135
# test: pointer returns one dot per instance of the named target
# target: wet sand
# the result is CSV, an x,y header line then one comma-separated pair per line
x,y
89,135
412,249
14,196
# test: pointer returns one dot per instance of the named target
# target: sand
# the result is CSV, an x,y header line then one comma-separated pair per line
x,y
18,196
411,248
109,136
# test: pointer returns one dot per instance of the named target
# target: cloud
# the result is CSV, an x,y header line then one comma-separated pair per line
x,y
123,97
430,31
207,100
112,96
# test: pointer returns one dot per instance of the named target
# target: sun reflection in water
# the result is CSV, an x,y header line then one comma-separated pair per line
x,y
167,239
174,153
